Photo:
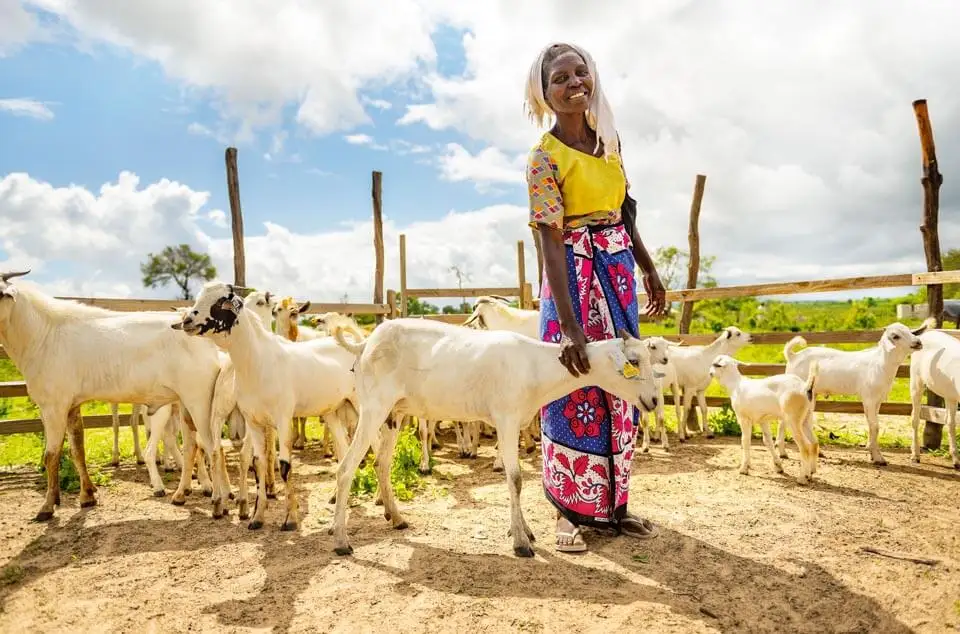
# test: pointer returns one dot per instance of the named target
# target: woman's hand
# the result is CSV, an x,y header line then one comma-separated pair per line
x,y
573,349
656,295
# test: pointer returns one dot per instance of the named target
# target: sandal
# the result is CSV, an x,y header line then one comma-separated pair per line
x,y
576,545
650,529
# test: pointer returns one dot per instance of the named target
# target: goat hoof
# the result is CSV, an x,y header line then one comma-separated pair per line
x,y
956,466
244,515
498,469
744,471
207,494
88,504
343,551
140,462
169,469
231,496
187,492
177,502
386,515
255,525
880,463
159,493
114,463
426,471
43,516
289,526
402,526
333,499
523,551
709,435
645,450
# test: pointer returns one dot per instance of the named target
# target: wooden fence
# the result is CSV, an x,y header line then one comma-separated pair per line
x,y
523,291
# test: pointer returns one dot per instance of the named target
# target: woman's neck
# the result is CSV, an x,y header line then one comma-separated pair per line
x,y
573,130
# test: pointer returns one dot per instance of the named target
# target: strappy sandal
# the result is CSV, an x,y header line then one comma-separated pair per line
x,y
576,545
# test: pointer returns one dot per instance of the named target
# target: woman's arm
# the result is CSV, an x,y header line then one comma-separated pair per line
x,y
573,344
652,286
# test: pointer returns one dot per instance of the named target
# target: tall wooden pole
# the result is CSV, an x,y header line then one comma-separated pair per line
x,y
693,272
693,262
931,181
236,218
378,240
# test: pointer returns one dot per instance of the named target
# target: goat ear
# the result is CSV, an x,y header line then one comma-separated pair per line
x,y
626,336
303,307
729,334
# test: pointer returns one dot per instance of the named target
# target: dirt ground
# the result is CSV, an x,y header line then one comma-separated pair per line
x,y
753,553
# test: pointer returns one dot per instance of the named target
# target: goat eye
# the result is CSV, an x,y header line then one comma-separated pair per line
x,y
894,337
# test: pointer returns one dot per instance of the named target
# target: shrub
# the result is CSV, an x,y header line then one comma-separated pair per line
x,y
404,474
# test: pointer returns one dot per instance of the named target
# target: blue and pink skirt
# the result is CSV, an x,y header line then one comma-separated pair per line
x,y
588,435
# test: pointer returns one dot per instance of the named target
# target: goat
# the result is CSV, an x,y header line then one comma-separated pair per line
x,y
936,367
868,373
660,347
70,353
783,397
276,379
493,312
413,367
692,366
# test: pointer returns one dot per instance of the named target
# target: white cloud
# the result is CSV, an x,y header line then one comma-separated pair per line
x,y
379,104
26,108
488,166
17,26
309,54
364,139
404,147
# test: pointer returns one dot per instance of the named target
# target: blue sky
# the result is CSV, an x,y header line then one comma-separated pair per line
x,y
804,157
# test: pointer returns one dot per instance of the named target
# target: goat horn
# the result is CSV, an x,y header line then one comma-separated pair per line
x,y
7,276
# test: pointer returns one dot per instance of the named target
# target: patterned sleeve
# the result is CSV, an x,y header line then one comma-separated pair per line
x,y
546,202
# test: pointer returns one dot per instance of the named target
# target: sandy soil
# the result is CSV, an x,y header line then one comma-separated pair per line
x,y
753,553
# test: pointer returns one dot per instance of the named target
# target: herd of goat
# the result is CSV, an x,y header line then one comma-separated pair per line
x,y
248,364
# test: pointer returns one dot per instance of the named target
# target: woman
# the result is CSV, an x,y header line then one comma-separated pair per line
x,y
577,186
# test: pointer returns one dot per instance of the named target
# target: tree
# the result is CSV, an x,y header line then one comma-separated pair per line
x,y
671,263
178,264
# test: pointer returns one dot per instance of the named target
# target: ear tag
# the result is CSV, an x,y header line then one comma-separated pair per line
x,y
629,370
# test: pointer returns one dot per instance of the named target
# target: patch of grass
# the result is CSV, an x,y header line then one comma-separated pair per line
x,y
11,574
404,474
724,422
70,479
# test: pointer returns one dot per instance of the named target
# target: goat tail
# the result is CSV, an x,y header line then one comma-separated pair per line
x,y
812,376
793,343
930,323
355,348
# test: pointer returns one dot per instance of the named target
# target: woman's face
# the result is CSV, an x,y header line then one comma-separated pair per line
x,y
569,84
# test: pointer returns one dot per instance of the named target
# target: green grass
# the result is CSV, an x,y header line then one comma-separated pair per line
x,y
404,474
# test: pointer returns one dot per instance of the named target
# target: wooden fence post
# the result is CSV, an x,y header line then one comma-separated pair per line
x,y
236,218
931,181
693,271
521,273
693,261
392,303
378,241
403,275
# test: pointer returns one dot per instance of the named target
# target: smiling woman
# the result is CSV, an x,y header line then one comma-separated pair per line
x,y
577,187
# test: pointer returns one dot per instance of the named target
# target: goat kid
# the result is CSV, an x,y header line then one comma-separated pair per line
x,y
783,397
936,367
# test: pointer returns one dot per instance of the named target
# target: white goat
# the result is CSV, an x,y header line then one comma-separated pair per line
x,y
492,312
661,348
413,367
936,367
868,373
276,379
70,353
783,397
692,366
134,429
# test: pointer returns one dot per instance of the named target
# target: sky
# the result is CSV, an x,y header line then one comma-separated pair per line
x,y
114,118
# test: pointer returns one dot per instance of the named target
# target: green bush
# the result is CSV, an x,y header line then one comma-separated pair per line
x,y
404,474
724,422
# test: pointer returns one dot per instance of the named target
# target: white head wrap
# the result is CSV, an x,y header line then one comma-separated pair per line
x,y
599,112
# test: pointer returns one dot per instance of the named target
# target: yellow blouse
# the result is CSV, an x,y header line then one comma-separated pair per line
x,y
569,188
